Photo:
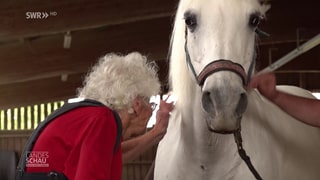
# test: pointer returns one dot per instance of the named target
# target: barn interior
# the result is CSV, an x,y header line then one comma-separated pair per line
x,y
44,59
47,47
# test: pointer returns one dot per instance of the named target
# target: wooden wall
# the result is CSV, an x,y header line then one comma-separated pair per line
x,y
14,140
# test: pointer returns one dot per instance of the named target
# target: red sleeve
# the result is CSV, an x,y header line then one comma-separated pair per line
x,y
96,149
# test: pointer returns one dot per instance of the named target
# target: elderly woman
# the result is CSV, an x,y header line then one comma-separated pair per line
x,y
80,143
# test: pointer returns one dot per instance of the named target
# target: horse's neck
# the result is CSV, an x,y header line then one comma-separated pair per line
x,y
197,139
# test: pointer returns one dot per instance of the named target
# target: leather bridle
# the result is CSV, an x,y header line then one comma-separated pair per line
x,y
226,65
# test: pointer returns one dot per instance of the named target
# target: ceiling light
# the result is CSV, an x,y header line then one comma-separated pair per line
x,y
67,40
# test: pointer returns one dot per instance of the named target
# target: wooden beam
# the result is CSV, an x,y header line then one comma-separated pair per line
x,y
38,91
269,54
53,89
45,57
74,15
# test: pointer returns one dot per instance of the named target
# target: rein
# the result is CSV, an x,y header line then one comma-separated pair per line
x,y
225,65
244,156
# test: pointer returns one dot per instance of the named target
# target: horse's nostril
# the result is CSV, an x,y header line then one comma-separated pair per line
x,y
242,104
207,103
218,101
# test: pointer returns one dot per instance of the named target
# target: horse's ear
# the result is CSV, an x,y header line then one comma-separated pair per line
x,y
265,8
265,4
264,1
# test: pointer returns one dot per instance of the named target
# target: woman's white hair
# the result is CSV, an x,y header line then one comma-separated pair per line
x,y
116,80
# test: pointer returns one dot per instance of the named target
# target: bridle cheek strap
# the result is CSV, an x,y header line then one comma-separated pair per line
x,y
222,65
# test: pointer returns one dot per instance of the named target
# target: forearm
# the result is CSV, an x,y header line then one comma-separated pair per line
x,y
134,147
304,109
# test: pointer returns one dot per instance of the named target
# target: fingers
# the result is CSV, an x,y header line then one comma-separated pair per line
x,y
166,104
166,107
258,79
252,84
167,98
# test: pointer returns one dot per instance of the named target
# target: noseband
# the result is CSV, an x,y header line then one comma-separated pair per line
x,y
222,65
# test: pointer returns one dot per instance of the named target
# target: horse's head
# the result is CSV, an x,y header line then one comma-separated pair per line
x,y
213,48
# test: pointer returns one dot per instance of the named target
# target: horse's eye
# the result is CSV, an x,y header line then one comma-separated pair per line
x,y
254,20
190,20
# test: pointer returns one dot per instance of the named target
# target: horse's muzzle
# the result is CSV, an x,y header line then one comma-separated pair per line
x,y
224,107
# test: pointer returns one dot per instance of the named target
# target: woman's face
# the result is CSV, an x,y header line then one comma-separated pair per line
x,y
143,111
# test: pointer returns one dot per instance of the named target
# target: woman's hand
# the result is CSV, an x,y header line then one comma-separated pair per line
x,y
162,117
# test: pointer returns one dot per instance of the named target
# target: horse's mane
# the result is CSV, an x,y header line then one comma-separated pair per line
x,y
179,77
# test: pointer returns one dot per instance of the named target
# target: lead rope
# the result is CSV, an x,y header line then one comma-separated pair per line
x,y
244,156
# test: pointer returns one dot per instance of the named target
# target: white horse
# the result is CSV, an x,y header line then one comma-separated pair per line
x,y
213,102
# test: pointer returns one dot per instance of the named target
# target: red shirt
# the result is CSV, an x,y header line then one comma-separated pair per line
x,y
79,143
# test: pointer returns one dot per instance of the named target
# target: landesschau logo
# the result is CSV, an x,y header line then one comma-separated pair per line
x,y
37,159
39,15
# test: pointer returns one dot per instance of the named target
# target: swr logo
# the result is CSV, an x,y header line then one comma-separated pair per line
x,y
37,15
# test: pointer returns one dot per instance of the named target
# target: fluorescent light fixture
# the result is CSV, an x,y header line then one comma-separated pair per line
x,y
67,40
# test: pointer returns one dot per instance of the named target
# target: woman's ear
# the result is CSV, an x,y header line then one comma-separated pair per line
x,y
136,103
130,110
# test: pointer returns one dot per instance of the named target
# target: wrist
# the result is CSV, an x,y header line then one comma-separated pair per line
x,y
276,97
157,134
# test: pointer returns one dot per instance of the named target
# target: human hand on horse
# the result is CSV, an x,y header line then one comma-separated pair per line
x,y
266,84
162,118
304,109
